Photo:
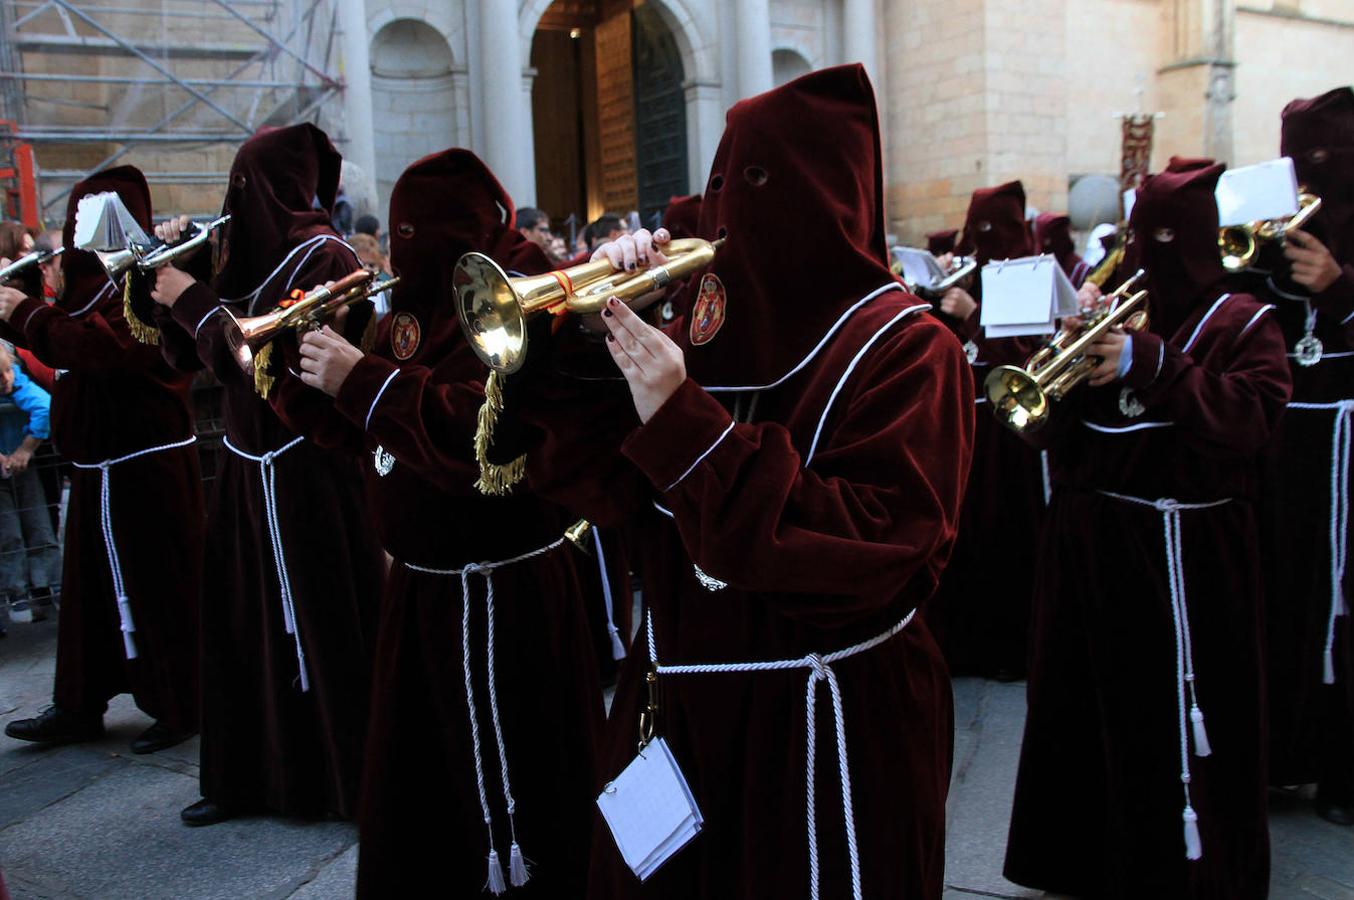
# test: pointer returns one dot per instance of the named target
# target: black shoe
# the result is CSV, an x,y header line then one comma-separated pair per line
x,y
1335,813
204,812
56,726
158,737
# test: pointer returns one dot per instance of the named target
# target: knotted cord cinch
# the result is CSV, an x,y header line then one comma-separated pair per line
x,y
109,540
517,867
820,670
1184,653
268,474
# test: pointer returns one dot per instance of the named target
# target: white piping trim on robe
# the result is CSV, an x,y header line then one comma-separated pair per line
x,y
617,646
891,286
1256,318
708,450
268,473
98,297
1184,650
517,864
1189,344
110,541
1341,440
1124,429
316,241
851,367
366,423
820,670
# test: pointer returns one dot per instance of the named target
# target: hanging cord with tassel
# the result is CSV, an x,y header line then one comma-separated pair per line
x,y
495,479
146,334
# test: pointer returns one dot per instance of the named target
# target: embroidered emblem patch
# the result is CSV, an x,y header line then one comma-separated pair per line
x,y
708,582
1309,350
404,335
385,461
707,316
1129,404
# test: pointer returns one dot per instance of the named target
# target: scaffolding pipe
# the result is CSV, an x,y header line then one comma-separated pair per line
x,y
268,36
113,79
64,4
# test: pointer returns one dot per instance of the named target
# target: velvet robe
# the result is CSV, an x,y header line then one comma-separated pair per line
x,y
116,397
266,744
1099,801
420,756
830,521
1311,721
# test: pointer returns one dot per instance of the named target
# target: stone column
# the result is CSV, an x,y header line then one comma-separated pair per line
x,y
500,80
360,129
752,31
859,30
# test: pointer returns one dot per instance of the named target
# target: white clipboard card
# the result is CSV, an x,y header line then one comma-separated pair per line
x,y
1025,296
650,809
1267,190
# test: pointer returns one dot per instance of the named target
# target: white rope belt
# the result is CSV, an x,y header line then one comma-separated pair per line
x,y
1342,433
1184,651
617,647
109,542
268,474
517,867
820,670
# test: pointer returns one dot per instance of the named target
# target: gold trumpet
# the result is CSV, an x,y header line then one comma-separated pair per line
x,y
1240,244
247,336
26,262
148,257
1022,398
494,308
1104,270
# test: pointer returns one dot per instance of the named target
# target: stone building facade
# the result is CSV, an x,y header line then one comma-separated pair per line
x,y
586,105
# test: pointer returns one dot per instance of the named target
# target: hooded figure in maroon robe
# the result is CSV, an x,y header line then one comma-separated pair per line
x,y
1142,770
129,609
488,709
938,243
981,612
293,568
1311,648
796,498
1053,234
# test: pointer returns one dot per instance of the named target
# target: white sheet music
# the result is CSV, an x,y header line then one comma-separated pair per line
x,y
103,222
919,266
650,810
1267,190
1025,296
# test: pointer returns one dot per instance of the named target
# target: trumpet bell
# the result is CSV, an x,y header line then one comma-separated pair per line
x,y
116,262
1017,399
491,313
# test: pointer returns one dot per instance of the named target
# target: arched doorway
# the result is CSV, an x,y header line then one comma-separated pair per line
x,y
609,111
787,65
414,98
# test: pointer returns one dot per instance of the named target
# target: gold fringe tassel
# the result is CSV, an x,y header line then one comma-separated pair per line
x,y
495,480
263,379
146,334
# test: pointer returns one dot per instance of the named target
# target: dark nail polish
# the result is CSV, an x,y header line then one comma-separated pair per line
x,y
606,312
631,267
611,337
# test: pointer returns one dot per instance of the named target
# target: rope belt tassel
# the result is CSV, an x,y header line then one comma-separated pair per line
x,y
268,475
518,873
124,602
1184,654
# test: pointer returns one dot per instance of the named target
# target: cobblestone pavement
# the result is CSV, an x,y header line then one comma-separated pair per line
x,y
94,822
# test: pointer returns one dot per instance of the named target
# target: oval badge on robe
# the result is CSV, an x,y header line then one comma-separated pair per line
x,y
404,335
707,316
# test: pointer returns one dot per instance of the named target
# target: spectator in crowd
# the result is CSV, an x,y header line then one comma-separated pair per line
x,y
535,226
29,556
370,225
607,228
341,216
369,253
557,250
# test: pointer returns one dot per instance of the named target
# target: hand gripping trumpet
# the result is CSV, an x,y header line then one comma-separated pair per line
x,y
247,337
1239,245
1022,398
960,275
150,256
494,308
